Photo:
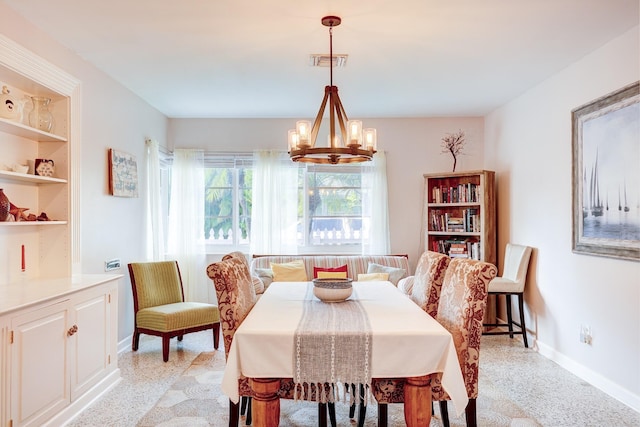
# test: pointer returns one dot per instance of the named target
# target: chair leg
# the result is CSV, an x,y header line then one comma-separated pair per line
x,y
331,407
248,418
352,408
243,404
362,412
382,414
444,413
165,348
135,340
180,337
322,414
216,335
509,315
234,414
522,326
470,413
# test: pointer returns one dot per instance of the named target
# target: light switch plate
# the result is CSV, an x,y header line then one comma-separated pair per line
x,y
113,264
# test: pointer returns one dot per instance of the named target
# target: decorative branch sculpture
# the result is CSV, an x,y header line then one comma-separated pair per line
x,y
453,143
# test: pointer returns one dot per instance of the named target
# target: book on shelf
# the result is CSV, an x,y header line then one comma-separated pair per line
x,y
455,224
455,255
461,193
471,220
457,248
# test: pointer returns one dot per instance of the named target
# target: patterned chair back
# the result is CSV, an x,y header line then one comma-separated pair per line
x,y
236,296
427,282
155,283
463,300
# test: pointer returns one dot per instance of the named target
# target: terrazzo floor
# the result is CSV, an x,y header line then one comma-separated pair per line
x,y
518,388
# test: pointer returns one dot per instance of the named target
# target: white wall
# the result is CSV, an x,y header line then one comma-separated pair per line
x,y
528,143
112,117
412,147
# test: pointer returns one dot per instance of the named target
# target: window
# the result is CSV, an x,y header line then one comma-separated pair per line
x,y
227,216
330,205
332,211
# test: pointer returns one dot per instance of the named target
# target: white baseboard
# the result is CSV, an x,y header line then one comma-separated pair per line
x,y
595,379
125,344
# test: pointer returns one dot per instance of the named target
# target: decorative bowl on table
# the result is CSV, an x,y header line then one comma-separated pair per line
x,y
332,290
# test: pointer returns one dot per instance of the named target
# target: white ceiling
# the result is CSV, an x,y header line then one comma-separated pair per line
x,y
407,58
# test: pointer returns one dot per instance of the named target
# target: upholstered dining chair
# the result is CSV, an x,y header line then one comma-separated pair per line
x,y
512,282
425,291
160,309
461,308
236,297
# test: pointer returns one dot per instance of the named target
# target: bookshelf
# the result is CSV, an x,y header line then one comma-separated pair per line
x,y
459,214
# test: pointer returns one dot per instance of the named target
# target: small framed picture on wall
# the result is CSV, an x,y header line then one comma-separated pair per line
x,y
123,174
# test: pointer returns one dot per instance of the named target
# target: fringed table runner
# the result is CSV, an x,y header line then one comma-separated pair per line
x,y
332,345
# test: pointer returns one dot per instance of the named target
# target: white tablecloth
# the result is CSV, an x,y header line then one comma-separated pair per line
x,y
406,342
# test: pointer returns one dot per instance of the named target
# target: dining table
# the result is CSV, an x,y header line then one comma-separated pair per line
x,y
377,332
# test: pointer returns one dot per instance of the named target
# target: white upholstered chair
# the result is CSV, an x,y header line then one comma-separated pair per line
x,y
512,282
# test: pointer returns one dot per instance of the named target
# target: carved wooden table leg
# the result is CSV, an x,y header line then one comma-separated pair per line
x,y
417,401
265,409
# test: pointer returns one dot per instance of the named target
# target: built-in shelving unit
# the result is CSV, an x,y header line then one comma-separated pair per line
x,y
37,249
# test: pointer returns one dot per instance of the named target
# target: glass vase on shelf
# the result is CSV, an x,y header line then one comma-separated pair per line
x,y
40,117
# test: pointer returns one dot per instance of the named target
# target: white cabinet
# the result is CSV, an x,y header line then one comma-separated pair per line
x,y
60,354
39,357
4,371
94,338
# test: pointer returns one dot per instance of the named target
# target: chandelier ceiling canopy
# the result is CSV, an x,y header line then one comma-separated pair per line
x,y
352,143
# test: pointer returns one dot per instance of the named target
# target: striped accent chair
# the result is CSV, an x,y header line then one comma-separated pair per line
x,y
463,300
160,309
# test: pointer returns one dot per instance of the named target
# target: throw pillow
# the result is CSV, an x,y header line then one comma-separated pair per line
x,y
292,271
332,275
395,274
406,285
266,275
258,284
342,268
367,277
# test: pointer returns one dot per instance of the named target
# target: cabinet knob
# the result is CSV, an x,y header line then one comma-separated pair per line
x,y
72,330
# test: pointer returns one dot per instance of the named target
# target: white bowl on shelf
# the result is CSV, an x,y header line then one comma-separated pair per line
x,y
332,290
20,168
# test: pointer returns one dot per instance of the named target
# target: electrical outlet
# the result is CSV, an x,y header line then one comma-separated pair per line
x,y
113,264
585,334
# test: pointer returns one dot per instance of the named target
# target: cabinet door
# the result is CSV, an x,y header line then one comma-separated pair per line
x,y
39,373
90,343
4,371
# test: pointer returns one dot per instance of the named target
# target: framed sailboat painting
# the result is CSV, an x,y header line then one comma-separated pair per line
x,y
606,175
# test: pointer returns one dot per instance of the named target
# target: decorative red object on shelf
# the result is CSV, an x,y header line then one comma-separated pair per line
x,y
5,205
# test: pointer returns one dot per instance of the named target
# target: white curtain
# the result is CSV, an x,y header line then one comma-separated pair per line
x,y
154,233
274,208
186,222
375,203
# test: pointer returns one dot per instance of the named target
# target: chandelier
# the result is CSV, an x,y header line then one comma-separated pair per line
x,y
352,144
